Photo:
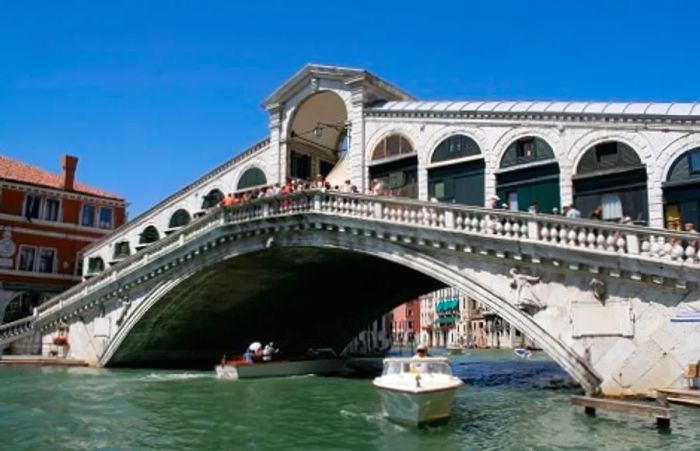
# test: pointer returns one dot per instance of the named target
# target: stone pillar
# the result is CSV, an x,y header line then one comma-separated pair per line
x,y
656,204
356,148
422,182
278,167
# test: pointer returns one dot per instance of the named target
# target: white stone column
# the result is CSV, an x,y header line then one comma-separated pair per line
x,y
656,204
278,169
356,149
422,182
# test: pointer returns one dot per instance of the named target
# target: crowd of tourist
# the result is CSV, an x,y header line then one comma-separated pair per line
x,y
377,188
291,186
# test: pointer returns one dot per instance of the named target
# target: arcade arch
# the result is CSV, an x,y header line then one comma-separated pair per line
x,y
529,173
317,135
681,191
394,162
610,176
456,171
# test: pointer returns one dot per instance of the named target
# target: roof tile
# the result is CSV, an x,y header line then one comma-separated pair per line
x,y
22,172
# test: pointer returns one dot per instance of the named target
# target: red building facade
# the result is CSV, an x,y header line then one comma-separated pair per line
x,y
45,220
405,323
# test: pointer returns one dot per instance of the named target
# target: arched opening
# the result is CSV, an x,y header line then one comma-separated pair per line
x,y
682,192
179,219
21,305
95,265
317,135
121,250
212,199
528,175
149,235
251,178
457,172
610,177
394,162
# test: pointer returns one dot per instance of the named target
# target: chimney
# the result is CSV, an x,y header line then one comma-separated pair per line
x,y
68,163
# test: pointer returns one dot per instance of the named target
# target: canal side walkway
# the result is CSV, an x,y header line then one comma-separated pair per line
x,y
39,360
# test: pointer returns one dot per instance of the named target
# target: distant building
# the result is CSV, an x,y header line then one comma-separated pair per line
x,y
449,317
45,220
375,339
405,322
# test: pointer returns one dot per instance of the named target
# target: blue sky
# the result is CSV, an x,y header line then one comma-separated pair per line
x,y
150,95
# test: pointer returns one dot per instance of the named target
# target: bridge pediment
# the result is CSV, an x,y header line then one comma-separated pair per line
x,y
312,77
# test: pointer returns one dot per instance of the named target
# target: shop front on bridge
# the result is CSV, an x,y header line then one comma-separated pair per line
x,y
529,174
611,178
682,192
456,172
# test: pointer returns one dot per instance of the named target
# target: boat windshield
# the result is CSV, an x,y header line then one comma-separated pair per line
x,y
416,367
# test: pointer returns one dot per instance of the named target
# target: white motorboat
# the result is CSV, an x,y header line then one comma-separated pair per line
x,y
240,368
417,390
455,349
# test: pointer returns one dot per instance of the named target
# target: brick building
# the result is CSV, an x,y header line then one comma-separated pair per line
x,y
45,220
405,322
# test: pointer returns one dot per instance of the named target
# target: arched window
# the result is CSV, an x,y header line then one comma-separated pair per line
x,y
611,155
149,235
526,150
95,265
685,167
180,218
392,146
682,192
460,182
457,146
212,199
121,250
252,177
611,179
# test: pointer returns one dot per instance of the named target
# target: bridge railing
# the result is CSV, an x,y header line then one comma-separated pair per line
x,y
576,234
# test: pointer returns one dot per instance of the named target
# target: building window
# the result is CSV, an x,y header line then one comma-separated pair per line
x,y
47,260
694,162
212,199
95,265
392,146
87,215
612,206
105,218
27,256
179,219
121,249
51,209
31,206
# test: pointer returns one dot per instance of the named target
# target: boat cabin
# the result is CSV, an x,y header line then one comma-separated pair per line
x,y
423,365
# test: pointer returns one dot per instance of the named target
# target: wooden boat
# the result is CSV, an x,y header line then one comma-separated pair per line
x,y
240,368
417,390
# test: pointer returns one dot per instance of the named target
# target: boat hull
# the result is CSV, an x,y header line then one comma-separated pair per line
x,y
455,350
417,408
280,369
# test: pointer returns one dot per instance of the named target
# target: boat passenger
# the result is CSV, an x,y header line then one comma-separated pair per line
x,y
268,351
421,351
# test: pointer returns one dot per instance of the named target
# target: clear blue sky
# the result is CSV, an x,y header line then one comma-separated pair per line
x,y
152,94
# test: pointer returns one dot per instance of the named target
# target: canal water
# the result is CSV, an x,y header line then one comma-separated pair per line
x,y
508,403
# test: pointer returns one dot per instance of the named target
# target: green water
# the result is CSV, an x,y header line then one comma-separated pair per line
x,y
507,404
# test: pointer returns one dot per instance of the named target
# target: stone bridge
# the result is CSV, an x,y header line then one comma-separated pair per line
x,y
313,268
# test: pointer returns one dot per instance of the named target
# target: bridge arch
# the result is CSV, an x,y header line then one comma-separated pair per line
x,y
426,272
